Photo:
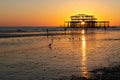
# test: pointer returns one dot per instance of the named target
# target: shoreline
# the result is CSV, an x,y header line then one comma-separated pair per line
x,y
50,32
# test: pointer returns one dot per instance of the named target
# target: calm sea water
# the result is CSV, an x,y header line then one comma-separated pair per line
x,y
30,58
28,29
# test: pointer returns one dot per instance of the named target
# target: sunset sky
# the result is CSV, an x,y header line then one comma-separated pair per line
x,y
55,12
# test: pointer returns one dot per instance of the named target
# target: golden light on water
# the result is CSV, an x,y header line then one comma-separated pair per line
x,y
83,31
83,24
84,67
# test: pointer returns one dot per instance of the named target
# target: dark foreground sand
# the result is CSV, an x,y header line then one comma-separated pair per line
x,y
109,73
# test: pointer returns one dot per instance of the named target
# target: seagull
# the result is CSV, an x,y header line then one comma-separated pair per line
x,y
50,45
73,38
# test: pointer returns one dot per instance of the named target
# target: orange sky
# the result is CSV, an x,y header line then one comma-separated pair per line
x,y
55,12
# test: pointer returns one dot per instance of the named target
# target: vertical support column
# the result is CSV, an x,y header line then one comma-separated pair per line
x,y
105,26
100,24
96,24
68,24
108,25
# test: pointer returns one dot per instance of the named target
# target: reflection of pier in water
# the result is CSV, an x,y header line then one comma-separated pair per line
x,y
83,62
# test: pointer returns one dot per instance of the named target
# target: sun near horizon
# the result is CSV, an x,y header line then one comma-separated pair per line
x,y
55,12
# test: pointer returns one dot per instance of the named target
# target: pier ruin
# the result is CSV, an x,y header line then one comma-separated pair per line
x,y
85,21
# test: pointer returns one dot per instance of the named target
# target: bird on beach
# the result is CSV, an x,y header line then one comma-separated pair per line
x,y
73,38
69,38
50,45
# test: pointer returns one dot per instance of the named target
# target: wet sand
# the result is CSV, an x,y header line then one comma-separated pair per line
x,y
85,54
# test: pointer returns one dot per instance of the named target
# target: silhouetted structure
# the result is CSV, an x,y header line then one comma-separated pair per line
x,y
85,21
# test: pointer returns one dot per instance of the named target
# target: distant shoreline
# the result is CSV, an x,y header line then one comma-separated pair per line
x,y
54,31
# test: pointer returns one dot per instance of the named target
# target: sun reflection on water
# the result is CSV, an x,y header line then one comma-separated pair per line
x,y
84,67
83,32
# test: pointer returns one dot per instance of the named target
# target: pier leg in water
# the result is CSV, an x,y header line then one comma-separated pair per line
x,y
105,28
86,29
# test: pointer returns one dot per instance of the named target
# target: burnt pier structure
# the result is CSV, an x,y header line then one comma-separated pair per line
x,y
85,21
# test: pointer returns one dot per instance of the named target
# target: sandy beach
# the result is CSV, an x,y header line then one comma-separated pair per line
x,y
31,57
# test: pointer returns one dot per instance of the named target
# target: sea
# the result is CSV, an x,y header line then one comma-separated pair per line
x,y
51,57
